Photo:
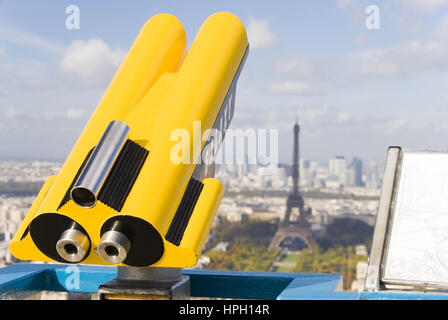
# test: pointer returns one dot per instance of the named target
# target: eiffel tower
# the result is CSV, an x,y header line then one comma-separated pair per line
x,y
299,228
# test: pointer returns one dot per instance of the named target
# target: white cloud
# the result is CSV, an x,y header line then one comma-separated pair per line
x,y
354,9
92,61
343,131
442,29
400,60
390,126
28,39
296,66
323,116
27,75
75,113
319,116
344,117
346,4
315,114
362,37
442,127
259,33
425,5
12,113
293,87
356,14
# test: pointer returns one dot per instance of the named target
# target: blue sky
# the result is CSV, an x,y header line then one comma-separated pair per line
x,y
355,91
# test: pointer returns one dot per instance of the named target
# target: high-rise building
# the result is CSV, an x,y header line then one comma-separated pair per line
x,y
349,178
304,169
356,165
279,178
337,168
241,170
372,175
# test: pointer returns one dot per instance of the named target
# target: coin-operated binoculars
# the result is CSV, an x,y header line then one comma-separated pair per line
x,y
122,197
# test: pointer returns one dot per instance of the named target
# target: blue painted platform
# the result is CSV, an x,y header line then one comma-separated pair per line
x,y
22,280
402,295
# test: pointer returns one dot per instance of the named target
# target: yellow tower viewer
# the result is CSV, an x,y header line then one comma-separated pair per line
x,y
120,198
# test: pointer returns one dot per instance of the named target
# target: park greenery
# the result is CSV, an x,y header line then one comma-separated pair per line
x,y
242,257
248,244
249,241
342,260
346,232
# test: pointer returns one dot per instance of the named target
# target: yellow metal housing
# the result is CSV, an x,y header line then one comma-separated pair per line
x,y
159,88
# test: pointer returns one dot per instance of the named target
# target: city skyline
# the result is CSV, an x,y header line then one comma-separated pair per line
x,y
281,164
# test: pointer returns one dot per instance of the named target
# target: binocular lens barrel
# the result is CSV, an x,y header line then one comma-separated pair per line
x,y
86,189
73,245
113,247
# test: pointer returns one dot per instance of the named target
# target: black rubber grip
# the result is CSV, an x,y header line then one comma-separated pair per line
x,y
184,211
122,176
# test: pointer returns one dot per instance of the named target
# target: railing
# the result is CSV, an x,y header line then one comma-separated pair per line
x,y
19,281
22,280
